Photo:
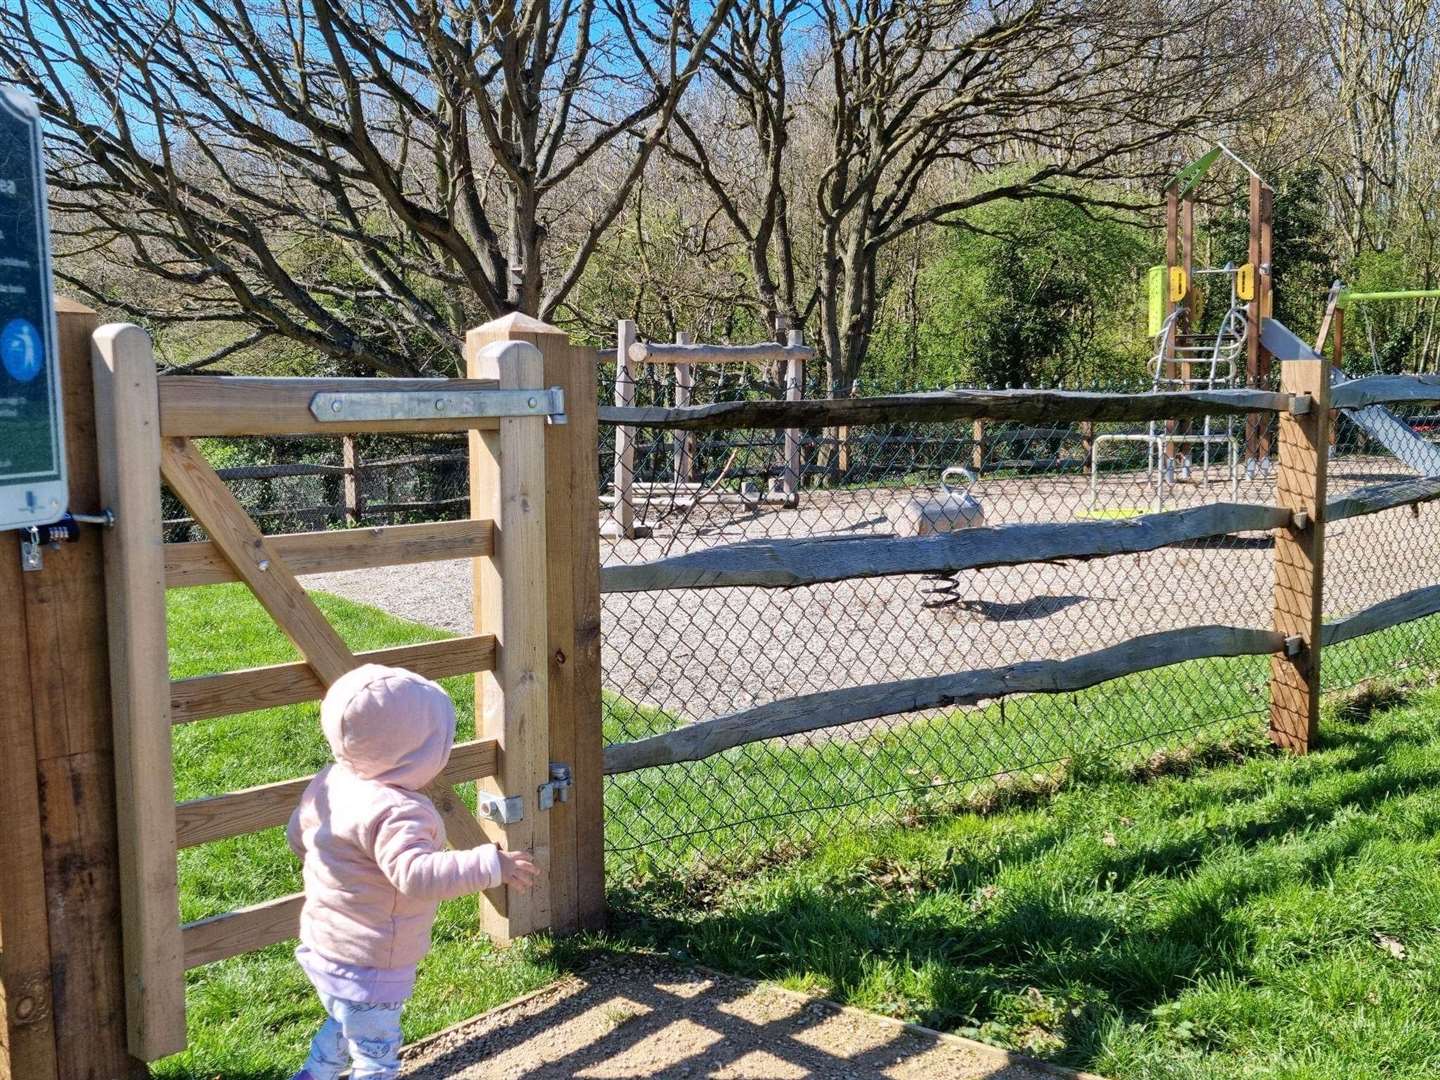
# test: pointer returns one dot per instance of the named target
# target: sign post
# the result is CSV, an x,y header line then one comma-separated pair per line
x,y
33,483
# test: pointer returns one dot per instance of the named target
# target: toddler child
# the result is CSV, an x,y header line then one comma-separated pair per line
x,y
376,866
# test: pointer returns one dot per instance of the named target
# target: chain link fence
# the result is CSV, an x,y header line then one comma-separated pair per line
x,y
671,658
307,484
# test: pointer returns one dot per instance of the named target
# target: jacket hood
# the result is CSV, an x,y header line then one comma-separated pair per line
x,y
389,724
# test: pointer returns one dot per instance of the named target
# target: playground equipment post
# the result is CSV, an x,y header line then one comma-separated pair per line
x,y
1257,360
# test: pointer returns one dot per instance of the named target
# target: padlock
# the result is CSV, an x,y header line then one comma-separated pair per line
x,y
66,530
36,538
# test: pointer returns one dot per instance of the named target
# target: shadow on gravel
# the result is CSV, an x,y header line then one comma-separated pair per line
x,y
638,1017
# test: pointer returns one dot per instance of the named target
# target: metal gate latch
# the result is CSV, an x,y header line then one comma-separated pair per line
x,y
508,809
67,530
501,809
558,789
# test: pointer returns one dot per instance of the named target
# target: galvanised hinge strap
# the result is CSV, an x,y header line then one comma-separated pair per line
x,y
353,405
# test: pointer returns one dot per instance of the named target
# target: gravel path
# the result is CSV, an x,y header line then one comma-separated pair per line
x,y
703,653
649,1019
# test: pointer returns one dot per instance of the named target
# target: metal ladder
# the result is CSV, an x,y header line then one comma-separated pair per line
x,y
1214,362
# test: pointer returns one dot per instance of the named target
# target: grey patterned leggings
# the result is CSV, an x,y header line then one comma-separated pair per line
x,y
356,1033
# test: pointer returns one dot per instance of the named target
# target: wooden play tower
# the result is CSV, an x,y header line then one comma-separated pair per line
x,y
1252,283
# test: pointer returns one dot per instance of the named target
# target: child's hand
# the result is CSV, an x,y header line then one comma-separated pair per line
x,y
518,869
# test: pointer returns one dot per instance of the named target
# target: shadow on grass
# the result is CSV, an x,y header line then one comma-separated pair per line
x,y
929,940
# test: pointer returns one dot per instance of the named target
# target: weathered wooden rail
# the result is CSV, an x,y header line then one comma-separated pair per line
x,y
785,564
1385,390
833,708
1416,604
1023,406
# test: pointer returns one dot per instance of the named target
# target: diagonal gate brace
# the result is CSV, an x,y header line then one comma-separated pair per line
x,y
202,491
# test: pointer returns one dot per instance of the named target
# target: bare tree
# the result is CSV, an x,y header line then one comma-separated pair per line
x,y
670,263
911,108
1382,59
361,176
751,60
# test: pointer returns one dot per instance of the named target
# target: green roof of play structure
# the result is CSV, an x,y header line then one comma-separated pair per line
x,y
1187,178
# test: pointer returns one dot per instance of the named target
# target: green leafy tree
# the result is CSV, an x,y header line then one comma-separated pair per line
x,y
1040,291
1302,246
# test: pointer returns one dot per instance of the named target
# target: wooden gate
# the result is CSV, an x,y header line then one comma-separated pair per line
x,y
535,647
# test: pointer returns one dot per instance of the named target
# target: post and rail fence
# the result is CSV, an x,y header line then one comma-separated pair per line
x,y
1303,406
354,490
92,940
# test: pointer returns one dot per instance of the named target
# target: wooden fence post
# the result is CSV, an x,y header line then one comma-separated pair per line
x,y
1299,555
684,440
622,514
572,575
354,489
794,391
977,447
60,965
127,427
508,485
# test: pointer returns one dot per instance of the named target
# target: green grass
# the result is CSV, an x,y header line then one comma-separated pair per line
x,y
1112,513
1278,917
817,912
684,819
252,1017
844,781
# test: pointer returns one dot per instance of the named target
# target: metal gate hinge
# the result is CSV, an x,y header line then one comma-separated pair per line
x,y
1294,645
438,404
558,789
501,809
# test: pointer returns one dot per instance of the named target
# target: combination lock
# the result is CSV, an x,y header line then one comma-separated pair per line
x,y
36,538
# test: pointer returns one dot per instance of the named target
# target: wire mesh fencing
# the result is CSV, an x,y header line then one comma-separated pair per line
x,y
672,658
307,484
1372,558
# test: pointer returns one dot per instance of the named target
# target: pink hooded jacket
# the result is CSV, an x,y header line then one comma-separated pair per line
x,y
376,866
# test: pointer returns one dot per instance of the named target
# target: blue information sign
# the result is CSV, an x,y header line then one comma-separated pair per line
x,y
32,452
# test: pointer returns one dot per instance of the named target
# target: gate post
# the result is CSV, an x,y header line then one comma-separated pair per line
x,y
572,616
1300,546
60,968
127,428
